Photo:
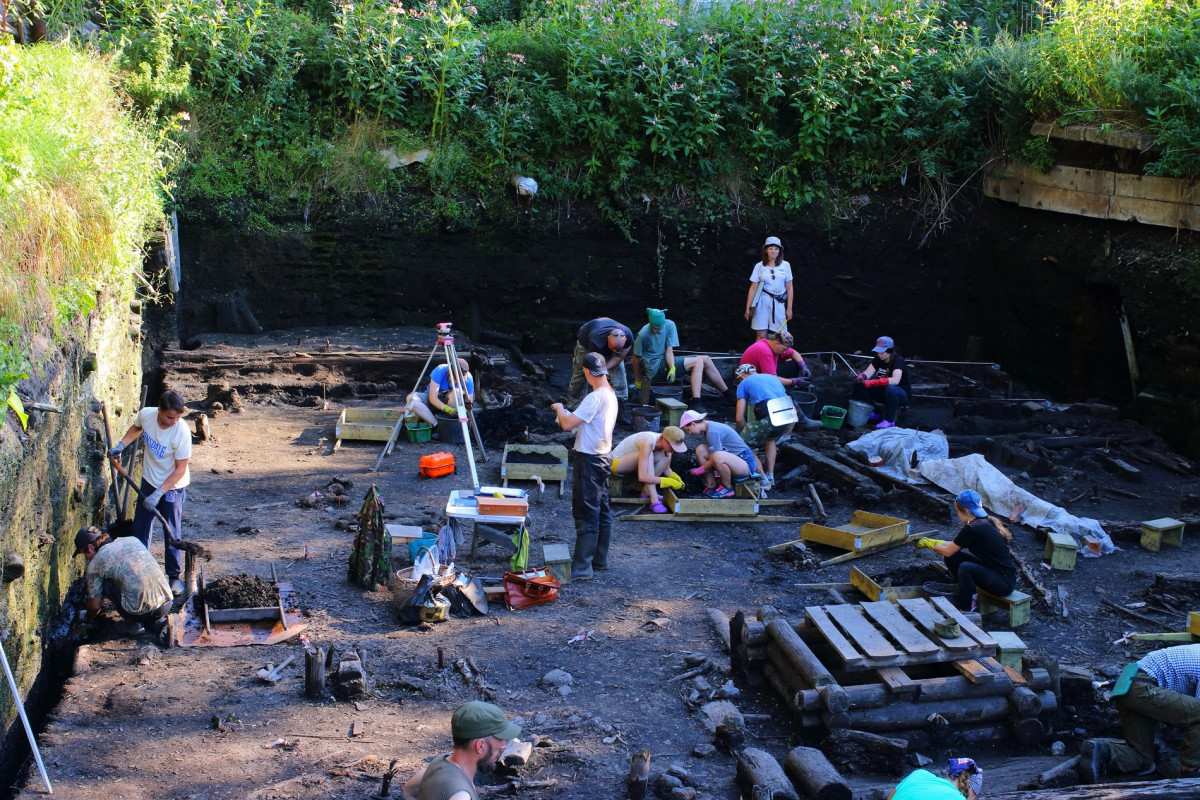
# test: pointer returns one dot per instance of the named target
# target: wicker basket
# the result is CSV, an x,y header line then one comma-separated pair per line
x,y
404,586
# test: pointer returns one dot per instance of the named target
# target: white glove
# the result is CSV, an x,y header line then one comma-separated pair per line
x,y
151,502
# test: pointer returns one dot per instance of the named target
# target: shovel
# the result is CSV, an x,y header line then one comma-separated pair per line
x,y
168,534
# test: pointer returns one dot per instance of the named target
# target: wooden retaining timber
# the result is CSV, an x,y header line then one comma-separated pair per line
x,y
1101,194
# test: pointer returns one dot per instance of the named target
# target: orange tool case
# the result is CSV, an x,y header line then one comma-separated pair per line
x,y
435,465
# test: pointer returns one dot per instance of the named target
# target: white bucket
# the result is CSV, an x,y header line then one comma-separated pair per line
x,y
858,413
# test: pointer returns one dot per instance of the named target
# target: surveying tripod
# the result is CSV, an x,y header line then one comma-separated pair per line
x,y
466,416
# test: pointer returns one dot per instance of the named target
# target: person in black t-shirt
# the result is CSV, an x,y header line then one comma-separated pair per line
x,y
885,381
978,556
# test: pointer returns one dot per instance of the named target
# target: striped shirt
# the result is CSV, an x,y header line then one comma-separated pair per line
x,y
1175,668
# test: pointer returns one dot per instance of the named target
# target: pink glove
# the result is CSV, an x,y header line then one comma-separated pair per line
x,y
876,382
697,471
860,377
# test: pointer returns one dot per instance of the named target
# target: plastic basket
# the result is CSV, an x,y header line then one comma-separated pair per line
x,y
833,417
418,431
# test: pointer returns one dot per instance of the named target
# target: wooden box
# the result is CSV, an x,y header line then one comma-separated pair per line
x,y
864,530
502,506
558,562
1157,532
868,586
370,424
1060,550
1016,603
708,506
1194,623
1011,648
513,468
672,410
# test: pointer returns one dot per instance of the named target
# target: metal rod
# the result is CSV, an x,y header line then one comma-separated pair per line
x,y
108,443
12,684
135,450
456,379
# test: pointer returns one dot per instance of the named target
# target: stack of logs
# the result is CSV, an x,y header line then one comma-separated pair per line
x,y
785,655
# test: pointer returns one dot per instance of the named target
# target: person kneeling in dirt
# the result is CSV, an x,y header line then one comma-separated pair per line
x,y
755,391
979,554
961,778
481,732
442,385
1163,686
654,360
724,456
649,455
124,572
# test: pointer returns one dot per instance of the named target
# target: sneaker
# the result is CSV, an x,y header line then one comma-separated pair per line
x,y
886,424
768,482
1093,760
710,492
176,587
720,493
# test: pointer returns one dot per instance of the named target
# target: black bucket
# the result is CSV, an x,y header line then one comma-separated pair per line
x,y
449,430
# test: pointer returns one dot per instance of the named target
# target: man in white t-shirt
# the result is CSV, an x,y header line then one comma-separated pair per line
x,y
165,474
593,423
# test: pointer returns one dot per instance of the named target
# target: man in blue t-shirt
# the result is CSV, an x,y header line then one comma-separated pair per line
x,y
654,360
444,394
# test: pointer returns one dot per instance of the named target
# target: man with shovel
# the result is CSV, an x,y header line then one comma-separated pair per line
x,y
165,475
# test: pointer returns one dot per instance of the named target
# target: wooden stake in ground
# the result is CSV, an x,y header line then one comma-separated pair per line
x,y
314,673
639,774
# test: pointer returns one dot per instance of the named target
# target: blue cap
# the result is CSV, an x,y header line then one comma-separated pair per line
x,y
956,766
970,500
883,344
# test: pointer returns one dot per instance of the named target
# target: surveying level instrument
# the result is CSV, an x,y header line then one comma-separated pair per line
x,y
466,415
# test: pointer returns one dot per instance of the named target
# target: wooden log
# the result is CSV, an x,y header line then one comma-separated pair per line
x,y
1029,731
1174,464
919,498
914,716
754,633
759,768
1179,789
812,773
203,429
314,673
1025,701
1122,469
827,469
864,751
806,664
1065,774
926,690
639,774
721,623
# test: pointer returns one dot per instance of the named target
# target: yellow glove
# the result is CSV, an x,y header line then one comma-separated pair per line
x,y
930,543
449,410
637,385
671,481
670,373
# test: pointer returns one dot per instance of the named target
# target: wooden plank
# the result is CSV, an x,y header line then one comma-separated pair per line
x,y
709,507
897,681
816,617
1017,678
969,628
381,415
1058,177
1002,188
925,615
861,631
906,635
364,431
975,672
1151,187
1148,212
242,614
1086,204
912,537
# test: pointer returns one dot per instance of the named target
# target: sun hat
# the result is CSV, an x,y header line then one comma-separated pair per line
x,y
675,436
689,417
743,370
882,344
595,364
969,500
478,720
658,317
773,240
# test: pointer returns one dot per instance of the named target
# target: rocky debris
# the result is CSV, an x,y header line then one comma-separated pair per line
x,y
350,679
556,679
221,396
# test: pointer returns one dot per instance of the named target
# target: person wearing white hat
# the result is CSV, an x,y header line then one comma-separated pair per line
x,y
770,308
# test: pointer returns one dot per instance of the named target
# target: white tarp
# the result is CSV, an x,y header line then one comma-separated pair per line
x,y
1002,496
896,447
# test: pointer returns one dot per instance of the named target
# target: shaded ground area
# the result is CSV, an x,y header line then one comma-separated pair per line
x,y
198,723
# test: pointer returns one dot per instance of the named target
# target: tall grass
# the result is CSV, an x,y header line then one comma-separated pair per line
x,y
80,187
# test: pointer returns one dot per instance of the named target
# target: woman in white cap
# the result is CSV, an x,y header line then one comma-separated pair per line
x,y
770,309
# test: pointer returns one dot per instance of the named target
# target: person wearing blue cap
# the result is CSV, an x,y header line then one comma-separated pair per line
x,y
654,360
480,732
961,778
979,555
884,381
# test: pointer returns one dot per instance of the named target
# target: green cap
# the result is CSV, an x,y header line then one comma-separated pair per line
x,y
478,720
658,317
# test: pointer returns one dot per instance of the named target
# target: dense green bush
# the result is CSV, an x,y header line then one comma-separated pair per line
x,y
620,101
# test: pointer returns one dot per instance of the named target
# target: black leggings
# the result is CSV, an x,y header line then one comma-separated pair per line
x,y
972,573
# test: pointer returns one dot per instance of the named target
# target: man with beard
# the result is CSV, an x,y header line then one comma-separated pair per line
x,y
481,732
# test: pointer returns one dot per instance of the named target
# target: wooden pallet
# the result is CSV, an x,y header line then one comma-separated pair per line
x,y
886,634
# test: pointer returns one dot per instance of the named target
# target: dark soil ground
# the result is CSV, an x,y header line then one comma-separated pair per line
x,y
240,591
136,722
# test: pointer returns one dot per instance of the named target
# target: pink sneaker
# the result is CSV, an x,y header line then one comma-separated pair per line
x,y
721,492
885,424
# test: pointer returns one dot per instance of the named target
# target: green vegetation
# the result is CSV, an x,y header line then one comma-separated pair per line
x,y
297,106
80,186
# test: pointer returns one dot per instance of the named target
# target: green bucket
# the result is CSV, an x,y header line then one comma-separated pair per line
x,y
833,417
418,431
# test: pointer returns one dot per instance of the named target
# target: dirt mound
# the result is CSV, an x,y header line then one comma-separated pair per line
x,y
241,591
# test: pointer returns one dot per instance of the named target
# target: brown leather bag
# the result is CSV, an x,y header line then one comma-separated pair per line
x,y
530,588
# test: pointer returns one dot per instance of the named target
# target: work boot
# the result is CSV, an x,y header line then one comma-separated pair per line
x,y
693,402
585,553
1093,760
623,417
176,587
810,424
600,560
